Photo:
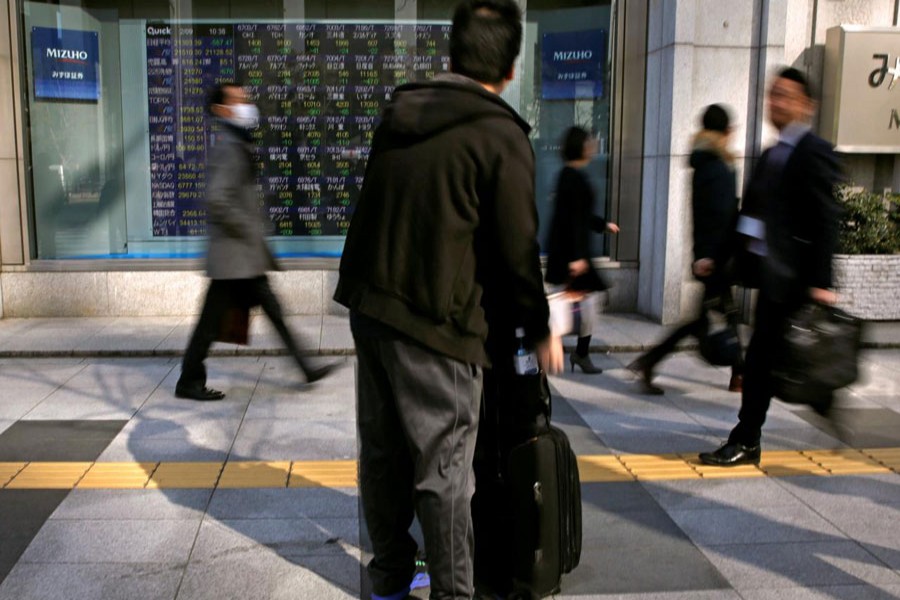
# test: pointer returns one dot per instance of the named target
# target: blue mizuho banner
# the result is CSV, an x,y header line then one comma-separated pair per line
x,y
572,64
66,64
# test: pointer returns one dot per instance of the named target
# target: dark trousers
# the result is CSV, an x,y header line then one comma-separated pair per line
x,y
718,299
417,413
222,294
769,329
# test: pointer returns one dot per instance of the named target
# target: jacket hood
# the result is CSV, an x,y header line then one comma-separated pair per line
x,y
709,146
427,108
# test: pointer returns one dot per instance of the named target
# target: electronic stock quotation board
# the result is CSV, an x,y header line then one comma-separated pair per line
x,y
320,88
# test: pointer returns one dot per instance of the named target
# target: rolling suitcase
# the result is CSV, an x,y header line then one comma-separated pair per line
x,y
545,494
527,505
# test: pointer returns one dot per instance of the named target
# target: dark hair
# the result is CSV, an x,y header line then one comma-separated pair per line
x,y
795,75
715,118
485,39
216,94
573,143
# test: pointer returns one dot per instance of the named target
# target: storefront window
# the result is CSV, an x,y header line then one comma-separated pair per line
x,y
118,135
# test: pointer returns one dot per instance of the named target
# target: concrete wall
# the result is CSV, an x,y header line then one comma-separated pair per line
x,y
147,293
180,293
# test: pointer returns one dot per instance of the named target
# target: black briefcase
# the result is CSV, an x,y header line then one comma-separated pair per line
x,y
820,354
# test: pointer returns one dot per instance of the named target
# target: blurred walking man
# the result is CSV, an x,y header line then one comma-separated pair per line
x,y
441,249
790,223
238,256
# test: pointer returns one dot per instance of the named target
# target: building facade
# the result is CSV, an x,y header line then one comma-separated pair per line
x,y
102,132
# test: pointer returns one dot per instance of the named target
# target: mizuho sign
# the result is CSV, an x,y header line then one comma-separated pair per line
x,y
861,89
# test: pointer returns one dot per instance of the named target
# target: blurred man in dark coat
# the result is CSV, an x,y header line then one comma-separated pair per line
x,y
789,221
238,256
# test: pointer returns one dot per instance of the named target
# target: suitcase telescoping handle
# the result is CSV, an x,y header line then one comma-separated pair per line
x,y
539,508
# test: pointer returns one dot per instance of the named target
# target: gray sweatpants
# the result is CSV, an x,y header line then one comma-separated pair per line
x,y
417,413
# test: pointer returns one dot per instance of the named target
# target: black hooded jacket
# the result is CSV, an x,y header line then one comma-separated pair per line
x,y
442,242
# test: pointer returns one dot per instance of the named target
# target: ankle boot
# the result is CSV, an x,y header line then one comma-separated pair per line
x,y
585,363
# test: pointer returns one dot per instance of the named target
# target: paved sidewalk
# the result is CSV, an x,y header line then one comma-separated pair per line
x,y
319,334
112,488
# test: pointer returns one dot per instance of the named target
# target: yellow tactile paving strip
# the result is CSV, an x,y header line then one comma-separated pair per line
x,y
343,473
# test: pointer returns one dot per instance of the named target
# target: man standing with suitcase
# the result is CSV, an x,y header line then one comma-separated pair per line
x,y
441,250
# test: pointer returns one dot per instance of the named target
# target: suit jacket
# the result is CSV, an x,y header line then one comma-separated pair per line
x,y
797,204
235,223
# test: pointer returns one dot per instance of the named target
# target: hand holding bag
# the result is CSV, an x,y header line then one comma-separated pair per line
x,y
572,312
820,354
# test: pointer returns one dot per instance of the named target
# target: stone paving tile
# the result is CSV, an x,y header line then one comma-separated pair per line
x,y
874,526
25,385
331,398
103,391
290,503
759,493
647,441
753,525
169,450
261,574
16,407
108,541
177,339
91,582
335,334
798,439
876,380
617,497
289,538
843,592
307,329
827,493
128,334
296,439
655,419
129,505
808,564
638,551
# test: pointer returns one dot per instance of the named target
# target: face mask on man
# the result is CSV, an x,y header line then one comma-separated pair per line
x,y
245,116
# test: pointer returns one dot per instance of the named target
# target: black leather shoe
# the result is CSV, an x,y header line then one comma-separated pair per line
x,y
314,375
732,454
203,394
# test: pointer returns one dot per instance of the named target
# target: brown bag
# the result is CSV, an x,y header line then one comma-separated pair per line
x,y
235,327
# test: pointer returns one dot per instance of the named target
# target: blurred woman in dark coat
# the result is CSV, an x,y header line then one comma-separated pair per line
x,y
568,246
715,211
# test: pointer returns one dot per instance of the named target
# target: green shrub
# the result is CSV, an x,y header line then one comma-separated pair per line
x,y
870,223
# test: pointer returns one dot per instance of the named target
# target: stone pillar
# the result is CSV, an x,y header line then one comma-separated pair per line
x,y
699,52
11,215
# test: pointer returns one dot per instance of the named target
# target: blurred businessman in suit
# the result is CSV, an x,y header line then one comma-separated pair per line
x,y
789,224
